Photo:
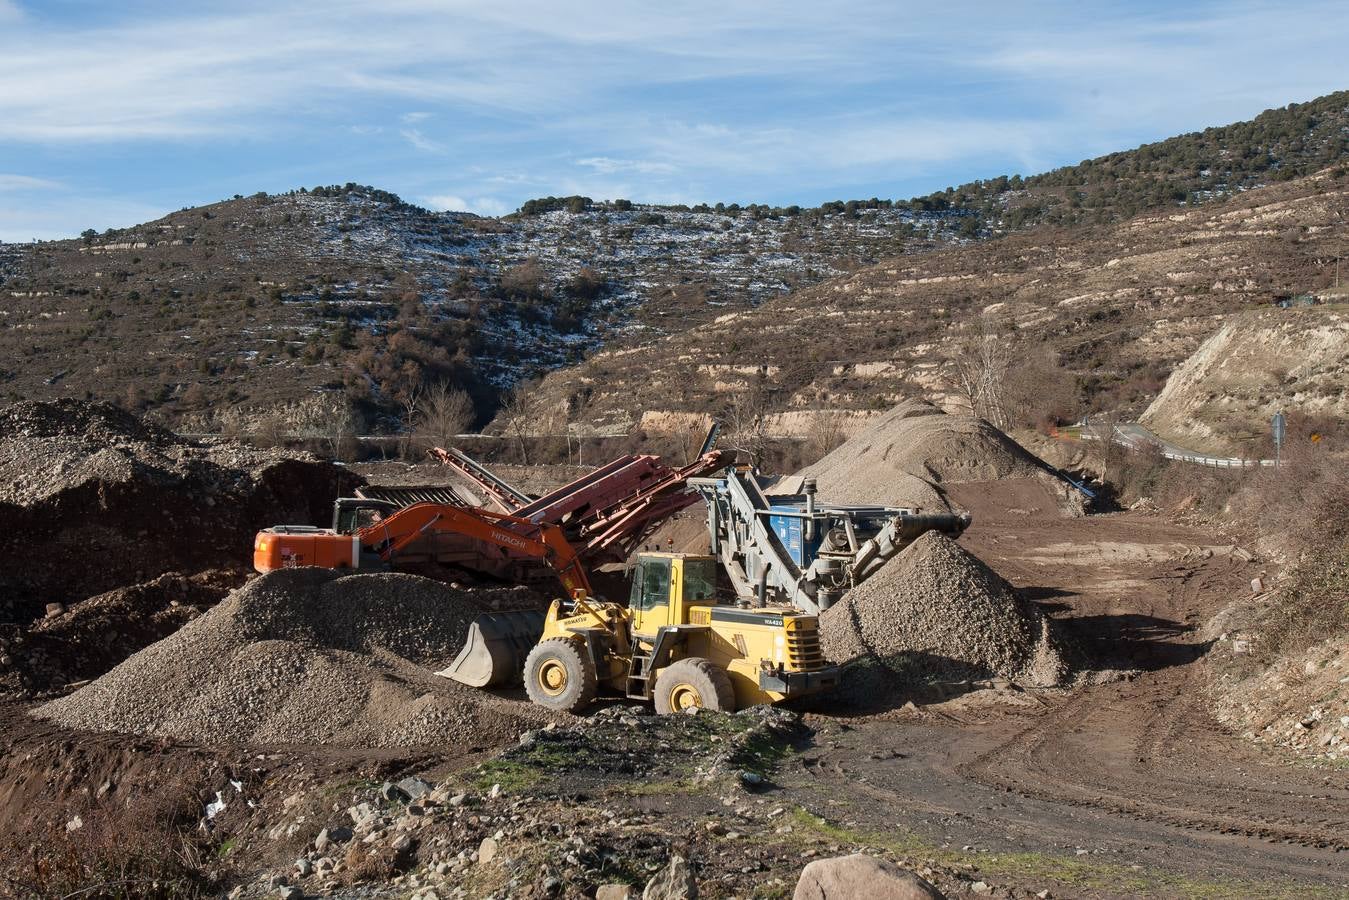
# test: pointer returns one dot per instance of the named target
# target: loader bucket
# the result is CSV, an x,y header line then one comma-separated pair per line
x,y
495,650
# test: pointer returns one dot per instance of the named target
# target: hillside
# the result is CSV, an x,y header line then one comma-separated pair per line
x,y
351,291
1221,399
1062,321
349,295
1278,145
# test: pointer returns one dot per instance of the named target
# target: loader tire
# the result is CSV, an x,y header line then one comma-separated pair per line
x,y
559,675
694,682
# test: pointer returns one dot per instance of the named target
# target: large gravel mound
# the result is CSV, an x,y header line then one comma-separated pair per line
x,y
937,612
93,499
306,656
903,457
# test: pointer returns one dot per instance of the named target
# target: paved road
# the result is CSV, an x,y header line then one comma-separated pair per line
x,y
1136,437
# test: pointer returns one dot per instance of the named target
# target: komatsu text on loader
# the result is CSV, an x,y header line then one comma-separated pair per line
x,y
673,645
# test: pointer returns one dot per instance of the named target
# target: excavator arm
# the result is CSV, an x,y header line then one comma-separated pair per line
x,y
519,536
291,546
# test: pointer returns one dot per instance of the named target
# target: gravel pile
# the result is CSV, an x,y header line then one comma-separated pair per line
x,y
903,457
935,612
93,499
307,656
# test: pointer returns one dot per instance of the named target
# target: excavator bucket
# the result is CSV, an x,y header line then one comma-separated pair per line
x,y
496,648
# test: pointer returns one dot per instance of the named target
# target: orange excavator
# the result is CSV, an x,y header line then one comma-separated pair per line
x,y
375,544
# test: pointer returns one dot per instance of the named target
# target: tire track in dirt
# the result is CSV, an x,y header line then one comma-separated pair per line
x,y
1148,733
1135,766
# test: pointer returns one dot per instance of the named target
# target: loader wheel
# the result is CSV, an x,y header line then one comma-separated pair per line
x,y
559,675
694,682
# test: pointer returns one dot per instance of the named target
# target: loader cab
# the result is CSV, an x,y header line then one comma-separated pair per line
x,y
665,585
351,514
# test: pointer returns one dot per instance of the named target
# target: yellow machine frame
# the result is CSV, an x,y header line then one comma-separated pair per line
x,y
769,653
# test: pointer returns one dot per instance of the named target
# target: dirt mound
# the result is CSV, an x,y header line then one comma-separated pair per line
x,y
937,612
94,635
903,457
96,421
307,656
94,499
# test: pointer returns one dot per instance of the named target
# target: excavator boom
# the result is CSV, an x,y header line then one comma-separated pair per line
x,y
378,544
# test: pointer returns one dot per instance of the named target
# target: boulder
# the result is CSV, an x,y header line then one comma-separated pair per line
x,y
674,882
859,875
415,788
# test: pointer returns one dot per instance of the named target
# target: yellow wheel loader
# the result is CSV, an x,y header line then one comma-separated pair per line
x,y
673,644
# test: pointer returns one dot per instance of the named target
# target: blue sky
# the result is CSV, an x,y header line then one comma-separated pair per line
x,y
113,114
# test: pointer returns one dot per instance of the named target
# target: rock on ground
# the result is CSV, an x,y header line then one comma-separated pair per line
x,y
93,635
674,882
935,610
859,875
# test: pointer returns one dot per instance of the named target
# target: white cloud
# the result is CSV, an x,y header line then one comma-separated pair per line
x,y
701,100
483,206
27,183
423,143
607,166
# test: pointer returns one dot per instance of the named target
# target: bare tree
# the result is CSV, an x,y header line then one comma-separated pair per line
x,y
519,417
578,405
827,430
1103,427
408,403
334,422
692,432
977,371
746,419
443,413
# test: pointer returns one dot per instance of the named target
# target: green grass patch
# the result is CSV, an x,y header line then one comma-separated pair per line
x,y
513,776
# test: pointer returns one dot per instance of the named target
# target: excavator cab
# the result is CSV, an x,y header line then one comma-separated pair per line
x,y
351,514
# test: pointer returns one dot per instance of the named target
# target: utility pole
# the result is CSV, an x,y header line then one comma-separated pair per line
x,y
1278,426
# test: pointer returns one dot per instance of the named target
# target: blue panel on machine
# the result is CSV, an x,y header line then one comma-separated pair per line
x,y
791,531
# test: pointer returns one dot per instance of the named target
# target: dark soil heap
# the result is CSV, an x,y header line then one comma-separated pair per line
x,y
935,612
94,499
96,634
308,656
903,457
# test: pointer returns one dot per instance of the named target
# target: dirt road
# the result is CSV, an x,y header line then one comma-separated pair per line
x,y
1117,788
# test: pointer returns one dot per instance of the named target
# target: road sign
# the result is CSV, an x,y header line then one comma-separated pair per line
x,y
1280,429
